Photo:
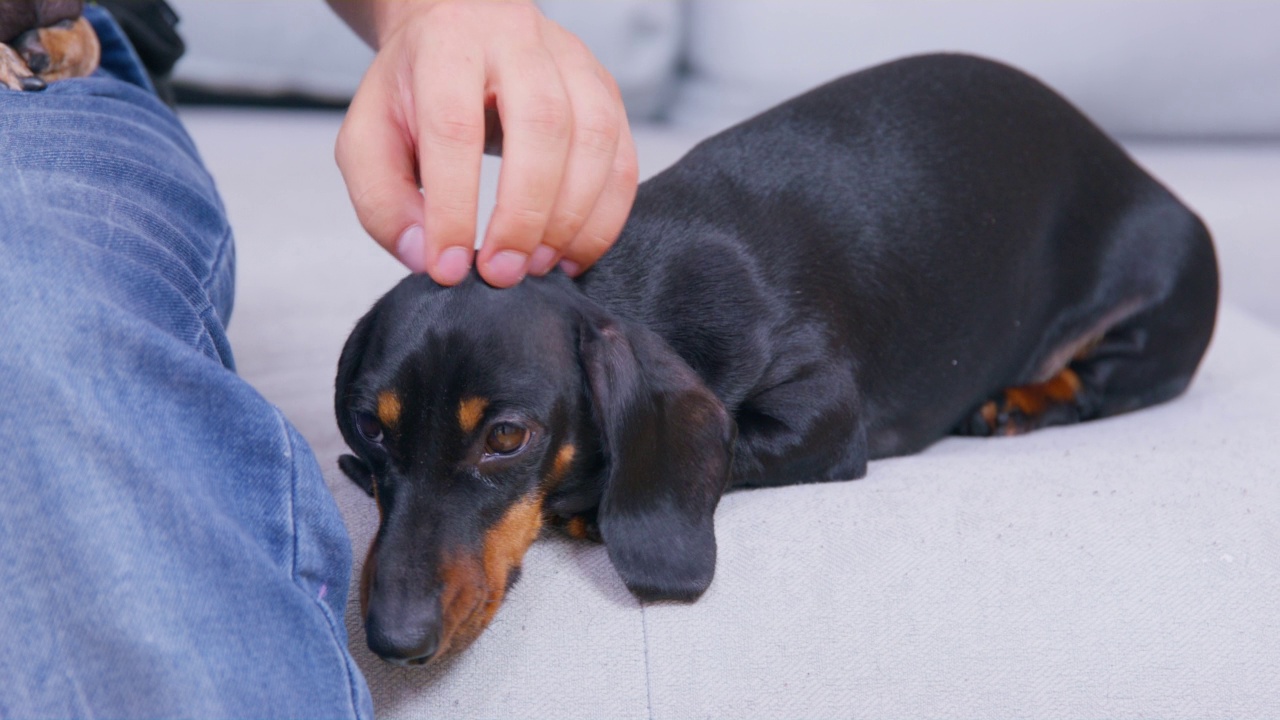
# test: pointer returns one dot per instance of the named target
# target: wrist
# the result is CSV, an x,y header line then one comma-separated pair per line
x,y
377,20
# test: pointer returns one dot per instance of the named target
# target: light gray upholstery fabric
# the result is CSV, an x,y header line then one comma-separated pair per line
x,y
1123,568
269,47
1138,67
1126,568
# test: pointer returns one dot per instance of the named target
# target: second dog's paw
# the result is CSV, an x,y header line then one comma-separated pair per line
x,y
579,527
14,73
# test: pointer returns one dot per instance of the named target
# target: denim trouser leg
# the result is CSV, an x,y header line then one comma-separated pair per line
x,y
167,543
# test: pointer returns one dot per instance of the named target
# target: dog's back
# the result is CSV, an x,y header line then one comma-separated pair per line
x,y
948,224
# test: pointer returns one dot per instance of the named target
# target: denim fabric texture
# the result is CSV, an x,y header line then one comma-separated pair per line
x,y
167,543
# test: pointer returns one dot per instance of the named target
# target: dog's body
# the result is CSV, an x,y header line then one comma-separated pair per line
x,y
936,245
45,40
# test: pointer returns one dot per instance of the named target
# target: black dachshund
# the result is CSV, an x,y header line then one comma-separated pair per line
x,y
937,245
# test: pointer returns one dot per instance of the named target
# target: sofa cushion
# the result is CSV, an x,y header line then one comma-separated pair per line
x,y
1129,567
1203,68
269,48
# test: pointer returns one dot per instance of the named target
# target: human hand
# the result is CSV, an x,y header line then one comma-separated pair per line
x,y
569,170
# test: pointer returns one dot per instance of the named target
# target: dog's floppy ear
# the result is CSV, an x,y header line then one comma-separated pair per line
x,y
668,442
348,366
358,471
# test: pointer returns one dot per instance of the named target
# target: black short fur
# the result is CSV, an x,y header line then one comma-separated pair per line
x,y
848,276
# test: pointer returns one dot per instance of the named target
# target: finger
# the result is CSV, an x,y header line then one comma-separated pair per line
x,y
610,213
537,126
450,121
374,152
597,125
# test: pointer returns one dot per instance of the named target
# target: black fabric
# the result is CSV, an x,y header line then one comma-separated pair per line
x,y
152,28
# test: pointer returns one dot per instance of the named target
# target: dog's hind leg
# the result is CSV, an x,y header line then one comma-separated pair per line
x,y
1145,359
1060,400
805,430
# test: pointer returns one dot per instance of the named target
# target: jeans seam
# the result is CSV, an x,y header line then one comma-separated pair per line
x,y
225,243
352,693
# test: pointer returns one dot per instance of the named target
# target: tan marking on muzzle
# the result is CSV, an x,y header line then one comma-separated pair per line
x,y
470,410
564,458
474,586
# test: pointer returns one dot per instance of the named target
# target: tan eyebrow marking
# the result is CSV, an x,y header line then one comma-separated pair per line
x,y
388,408
564,457
470,410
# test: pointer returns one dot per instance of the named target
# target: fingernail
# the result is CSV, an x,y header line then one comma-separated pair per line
x,y
506,268
570,267
411,250
453,265
542,260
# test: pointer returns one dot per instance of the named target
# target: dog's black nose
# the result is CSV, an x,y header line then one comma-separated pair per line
x,y
405,638
38,62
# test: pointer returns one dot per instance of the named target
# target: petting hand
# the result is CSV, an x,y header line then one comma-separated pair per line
x,y
419,119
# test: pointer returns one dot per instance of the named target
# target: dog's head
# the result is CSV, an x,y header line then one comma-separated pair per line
x,y
65,49
475,413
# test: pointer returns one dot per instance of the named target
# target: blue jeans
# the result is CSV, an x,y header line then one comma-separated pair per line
x,y
167,543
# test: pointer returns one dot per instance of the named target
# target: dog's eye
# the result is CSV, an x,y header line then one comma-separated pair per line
x,y
369,427
506,438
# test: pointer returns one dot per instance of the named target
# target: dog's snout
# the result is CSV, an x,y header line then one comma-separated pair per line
x,y
38,62
407,636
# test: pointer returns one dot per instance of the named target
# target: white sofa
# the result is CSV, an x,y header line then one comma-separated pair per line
x,y
1129,567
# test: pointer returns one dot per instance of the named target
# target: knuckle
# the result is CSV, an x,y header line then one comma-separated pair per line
x,y
454,205
565,224
450,230
589,245
610,84
598,129
379,219
342,147
522,220
450,211
526,18
571,44
626,169
346,146
455,127
549,116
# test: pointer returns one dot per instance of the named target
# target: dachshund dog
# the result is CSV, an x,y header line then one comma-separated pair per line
x,y
45,40
939,245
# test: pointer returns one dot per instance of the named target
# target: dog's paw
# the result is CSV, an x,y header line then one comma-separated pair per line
x,y
579,527
1018,410
982,423
14,73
